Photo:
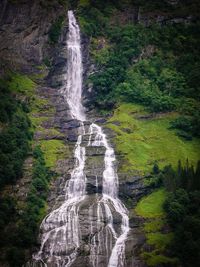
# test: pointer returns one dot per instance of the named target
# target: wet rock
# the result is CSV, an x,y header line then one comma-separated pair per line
x,y
95,151
87,137
48,135
94,165
134,244
100,120
94,185
60,63
62,107
72,137
136,221
72,124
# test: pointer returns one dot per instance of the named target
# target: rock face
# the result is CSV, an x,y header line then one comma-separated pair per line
x,y
24,27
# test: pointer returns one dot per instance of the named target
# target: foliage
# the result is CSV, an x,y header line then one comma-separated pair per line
x,y
38,193
155,259
26,223
8,105
183,215
55,30
185,177
53,150
7,210
187,126
19,234
182,210
156,66
151,208
18,83
15,136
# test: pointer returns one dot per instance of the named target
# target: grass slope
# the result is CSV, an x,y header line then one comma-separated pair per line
x,y
143,139
151,208
53,151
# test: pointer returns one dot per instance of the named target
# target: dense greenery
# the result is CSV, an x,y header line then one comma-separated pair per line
x,y
14,136
177,204
185,177
55,30
25,223
35,201
183,214
151,208
156,66
19,235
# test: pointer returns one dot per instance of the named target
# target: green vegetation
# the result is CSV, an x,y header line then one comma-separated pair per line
x,y
144,138
155,225
156,66
15,135
182,210
41,106
53,151
18,103
149,76
21,84
159,240
154,259
25,224
37,121
52,4
55,30
186,177
151,206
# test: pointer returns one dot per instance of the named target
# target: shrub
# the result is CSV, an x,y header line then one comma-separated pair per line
x,y
55,30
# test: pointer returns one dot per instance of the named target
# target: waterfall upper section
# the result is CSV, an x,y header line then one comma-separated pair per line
x,y
72,92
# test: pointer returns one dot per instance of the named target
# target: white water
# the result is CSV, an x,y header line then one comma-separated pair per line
x,y
60,230
110,200
73,90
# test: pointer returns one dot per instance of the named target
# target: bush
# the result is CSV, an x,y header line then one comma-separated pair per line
x,y
55,30
14,139
182,214
188,126
15,257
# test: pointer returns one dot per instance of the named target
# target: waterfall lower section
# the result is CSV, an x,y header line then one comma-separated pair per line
x,y
88,229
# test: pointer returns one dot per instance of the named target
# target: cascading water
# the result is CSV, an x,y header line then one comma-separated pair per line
x,y
73,91
110,200
60,230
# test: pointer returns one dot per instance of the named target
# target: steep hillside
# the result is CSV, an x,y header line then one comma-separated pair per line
x,y
144,71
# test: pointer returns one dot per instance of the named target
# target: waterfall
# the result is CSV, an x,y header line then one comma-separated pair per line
x,y
73,91
110,200
60,230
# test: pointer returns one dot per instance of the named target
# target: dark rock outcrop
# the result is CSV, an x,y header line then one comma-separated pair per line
x,y
24,28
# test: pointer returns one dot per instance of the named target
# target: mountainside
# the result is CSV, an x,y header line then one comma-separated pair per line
x,y
141,87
